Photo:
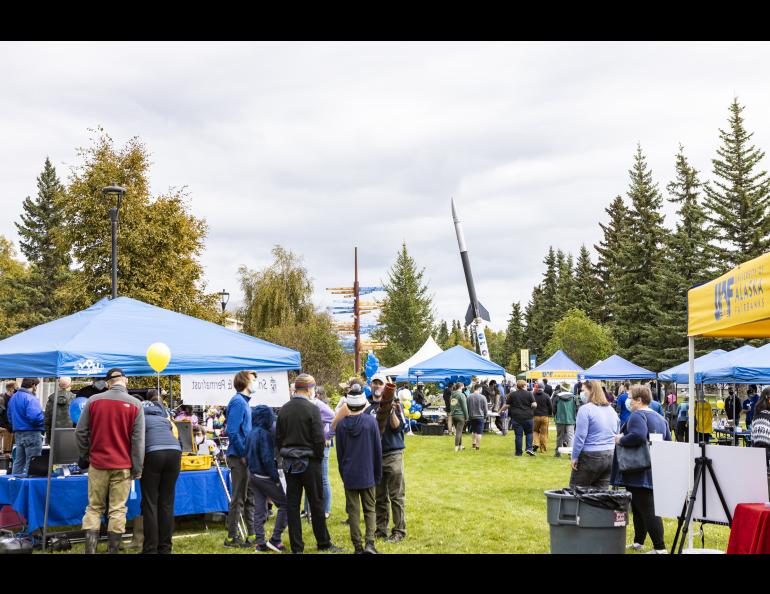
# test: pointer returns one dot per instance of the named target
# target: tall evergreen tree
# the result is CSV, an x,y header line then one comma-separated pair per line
x,y
442,335
534,318
406,318
586,291
514,338
42,243
737,198
637,301
608,267
565,291
550,287
688,261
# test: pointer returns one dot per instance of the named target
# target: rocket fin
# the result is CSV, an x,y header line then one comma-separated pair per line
x,y
483,314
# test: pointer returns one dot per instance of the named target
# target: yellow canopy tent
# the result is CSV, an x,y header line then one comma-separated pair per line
x,y
732,306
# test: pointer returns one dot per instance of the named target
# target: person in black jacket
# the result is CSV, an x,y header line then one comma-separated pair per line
x,y
542,415
521,404
299,437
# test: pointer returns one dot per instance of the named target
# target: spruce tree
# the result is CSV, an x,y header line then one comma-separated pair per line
x,y
638,296
406,318
688,261
608,269
514,337
442,335
42,243
534,318
565,291
586,291
738,196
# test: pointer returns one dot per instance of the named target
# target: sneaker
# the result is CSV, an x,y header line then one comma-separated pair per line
x,y
327,516
359,551
657,552
332,549
530,453
635,546
396,538
235,542
278,548
261,548
381,535
534,448
370,550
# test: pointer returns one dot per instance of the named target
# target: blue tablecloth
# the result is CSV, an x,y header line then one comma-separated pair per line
x,y
197,492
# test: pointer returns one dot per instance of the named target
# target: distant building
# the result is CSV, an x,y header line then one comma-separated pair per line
x,y
234,324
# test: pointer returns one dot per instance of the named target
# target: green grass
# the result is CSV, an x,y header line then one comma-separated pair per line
x,y
456,502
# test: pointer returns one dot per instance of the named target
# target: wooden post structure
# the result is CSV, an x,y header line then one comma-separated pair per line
x,y
357,315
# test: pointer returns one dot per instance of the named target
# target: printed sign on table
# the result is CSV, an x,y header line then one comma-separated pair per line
x,y
206,389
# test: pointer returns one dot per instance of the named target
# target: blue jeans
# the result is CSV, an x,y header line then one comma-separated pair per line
x,y
522,427
28,444
327,485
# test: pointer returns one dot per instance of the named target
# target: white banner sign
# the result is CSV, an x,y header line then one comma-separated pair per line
x,y
216,389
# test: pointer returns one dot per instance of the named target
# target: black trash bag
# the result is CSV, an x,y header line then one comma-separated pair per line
x,y
599,497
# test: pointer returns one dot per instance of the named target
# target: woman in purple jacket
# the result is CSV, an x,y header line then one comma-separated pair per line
x,y
327,416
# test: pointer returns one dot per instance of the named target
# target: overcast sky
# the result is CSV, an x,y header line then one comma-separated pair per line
x,y
324,146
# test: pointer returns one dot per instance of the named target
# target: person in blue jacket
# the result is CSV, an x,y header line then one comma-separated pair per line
x,y
264,479
636,433
28,422
238,429
750,404
620,404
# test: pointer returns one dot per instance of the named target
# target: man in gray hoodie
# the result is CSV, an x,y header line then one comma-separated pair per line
x,y
564,405
477,411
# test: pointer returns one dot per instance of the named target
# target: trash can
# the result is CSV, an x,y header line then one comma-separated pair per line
x,y
588,521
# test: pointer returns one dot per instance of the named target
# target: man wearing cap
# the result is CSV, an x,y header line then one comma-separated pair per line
x,y
110,438
390,490
299,437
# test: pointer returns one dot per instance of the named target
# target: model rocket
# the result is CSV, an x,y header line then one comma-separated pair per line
x,y
476,311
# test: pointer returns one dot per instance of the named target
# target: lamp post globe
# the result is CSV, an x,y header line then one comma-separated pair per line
x,y
106,192
224,297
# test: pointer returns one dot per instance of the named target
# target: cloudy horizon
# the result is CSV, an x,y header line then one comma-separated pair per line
x,y
320,147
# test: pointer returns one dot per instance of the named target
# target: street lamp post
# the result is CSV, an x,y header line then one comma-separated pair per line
x,y
114,189
224,297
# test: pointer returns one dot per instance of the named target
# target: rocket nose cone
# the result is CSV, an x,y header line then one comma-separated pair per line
x,y
454,212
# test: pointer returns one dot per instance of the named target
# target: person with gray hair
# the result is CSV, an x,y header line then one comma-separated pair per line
x,y
63,401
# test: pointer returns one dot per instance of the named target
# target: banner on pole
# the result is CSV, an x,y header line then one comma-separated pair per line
x,y
207,389
524,359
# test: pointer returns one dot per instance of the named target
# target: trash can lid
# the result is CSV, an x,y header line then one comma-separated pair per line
x,y
596,497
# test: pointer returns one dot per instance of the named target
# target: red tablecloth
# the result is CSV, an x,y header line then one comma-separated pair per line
x,y
750,533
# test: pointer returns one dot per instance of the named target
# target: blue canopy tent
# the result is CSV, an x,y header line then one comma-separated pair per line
x,y
752,367
681,370
722,369
616,368
558,366
457,361
117,332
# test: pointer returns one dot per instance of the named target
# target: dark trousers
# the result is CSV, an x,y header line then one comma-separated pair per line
x,y
357,500
312,482
594,470
242,499
681,431
645,520
158,483
263,489
459,425
522,427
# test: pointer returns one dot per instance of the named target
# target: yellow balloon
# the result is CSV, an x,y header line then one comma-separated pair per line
x,y
407,404
721,404
158,356
416,415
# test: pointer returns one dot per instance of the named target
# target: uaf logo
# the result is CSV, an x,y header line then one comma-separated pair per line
x,y
723,290
89,367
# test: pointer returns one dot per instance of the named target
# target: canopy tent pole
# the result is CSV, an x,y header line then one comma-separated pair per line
x,y
50,464
691,428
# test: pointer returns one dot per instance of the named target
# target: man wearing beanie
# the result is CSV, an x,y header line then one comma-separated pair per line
x,y
390,490
299,437
359,456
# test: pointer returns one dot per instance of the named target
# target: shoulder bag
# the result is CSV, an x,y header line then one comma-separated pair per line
x,y
634,458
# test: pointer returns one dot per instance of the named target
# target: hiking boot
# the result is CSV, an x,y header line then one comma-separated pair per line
x,y
92,539
359,550
381,535
113,544
396,537
370,550
137,536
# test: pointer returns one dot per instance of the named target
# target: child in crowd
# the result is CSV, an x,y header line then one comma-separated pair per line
x,y
359,455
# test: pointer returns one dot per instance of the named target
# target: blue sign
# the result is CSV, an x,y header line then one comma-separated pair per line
x,y
532,361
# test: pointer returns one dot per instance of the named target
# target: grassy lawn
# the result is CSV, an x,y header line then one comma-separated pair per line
x,y
456,502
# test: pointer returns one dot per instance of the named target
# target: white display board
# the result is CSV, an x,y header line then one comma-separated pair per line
x,y
741,473
207,389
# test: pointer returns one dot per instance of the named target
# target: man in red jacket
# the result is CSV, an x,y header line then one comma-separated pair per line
x,y
110,436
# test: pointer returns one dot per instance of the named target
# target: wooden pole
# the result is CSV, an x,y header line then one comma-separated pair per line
x,y
357,315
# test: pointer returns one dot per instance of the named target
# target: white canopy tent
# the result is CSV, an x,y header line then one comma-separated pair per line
x,y
427,350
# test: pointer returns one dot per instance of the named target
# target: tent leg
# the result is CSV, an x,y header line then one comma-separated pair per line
x,y
691,428
50,464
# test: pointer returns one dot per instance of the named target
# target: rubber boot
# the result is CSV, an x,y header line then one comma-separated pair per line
x,y
92,539
137,538
113,547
